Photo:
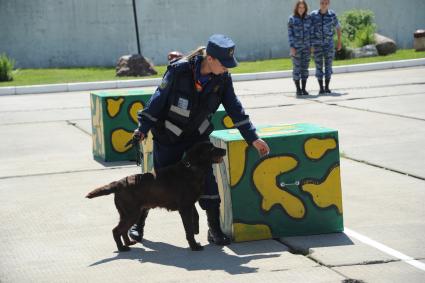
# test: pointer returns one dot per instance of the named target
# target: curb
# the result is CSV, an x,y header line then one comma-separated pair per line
x,y
12,90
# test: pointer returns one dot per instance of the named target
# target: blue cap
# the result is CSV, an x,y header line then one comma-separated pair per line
x,y
222,48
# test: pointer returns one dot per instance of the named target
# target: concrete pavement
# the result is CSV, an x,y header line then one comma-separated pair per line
x,y
50,233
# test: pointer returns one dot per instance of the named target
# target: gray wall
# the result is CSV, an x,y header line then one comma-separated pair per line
x,y
59,33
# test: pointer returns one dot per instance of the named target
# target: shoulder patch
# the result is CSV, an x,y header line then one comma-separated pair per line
x,y
164,83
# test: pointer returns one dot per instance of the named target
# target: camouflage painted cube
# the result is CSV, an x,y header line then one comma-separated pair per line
x,y
294,191
221,120
114,118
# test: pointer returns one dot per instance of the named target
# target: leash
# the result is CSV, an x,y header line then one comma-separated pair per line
x,y
135,142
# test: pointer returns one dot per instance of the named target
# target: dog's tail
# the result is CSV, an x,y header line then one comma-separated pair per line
x,y
103,191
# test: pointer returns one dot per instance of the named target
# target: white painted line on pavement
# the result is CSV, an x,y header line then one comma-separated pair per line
x,y
385,249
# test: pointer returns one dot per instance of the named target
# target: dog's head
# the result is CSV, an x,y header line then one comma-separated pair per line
x,y
204,153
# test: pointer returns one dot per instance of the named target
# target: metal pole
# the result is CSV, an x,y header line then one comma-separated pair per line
x,y
137,27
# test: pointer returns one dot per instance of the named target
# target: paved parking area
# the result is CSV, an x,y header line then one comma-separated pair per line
x,y
50,233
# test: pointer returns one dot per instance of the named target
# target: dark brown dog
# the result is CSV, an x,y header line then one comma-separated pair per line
x,y
176,187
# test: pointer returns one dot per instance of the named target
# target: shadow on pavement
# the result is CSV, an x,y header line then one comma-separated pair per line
x,y
211,258
332,94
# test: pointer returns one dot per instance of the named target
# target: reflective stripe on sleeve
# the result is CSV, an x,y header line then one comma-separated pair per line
x,y
147,115
246,121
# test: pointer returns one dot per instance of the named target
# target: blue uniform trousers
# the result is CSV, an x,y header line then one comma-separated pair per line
x,y
323,53
165,155
300,63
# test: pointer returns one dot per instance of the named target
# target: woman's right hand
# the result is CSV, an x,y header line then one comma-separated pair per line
x,y
293,52
262,147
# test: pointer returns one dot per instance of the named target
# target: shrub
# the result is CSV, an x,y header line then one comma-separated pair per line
x,y
364,36
358,27
6,68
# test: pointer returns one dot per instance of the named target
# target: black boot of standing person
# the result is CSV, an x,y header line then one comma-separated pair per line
x,y
137,230
322,90
215,235
327,90
303,85
297,85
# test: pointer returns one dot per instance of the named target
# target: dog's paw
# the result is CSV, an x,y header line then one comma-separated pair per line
x,y
124,249
196,247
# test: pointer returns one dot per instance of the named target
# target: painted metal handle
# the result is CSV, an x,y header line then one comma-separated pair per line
x,y
296,183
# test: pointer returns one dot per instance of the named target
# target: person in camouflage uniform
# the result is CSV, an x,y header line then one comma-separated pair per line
x,y
324,23
299,35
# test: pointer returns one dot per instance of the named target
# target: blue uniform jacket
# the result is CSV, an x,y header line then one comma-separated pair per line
x,y
300,31
324,27
157,108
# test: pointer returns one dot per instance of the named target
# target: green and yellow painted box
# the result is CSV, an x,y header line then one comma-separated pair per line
x,y
294,191
221,120
114,118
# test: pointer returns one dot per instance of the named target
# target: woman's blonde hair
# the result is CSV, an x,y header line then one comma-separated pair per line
x,y
201,50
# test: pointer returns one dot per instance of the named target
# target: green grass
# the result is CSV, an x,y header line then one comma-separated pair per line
x,y
403,54
70,75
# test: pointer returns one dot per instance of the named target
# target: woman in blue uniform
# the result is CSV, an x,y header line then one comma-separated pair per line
x,y
324,22
179,115
299,35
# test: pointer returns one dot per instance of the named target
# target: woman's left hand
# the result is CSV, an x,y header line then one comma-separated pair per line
x,y
262,147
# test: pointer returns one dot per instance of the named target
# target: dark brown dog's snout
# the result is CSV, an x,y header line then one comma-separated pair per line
x,y
218,154
221,151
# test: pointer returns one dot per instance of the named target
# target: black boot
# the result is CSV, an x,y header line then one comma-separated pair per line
x,y
215,235
322,90
303,84
136,231
327,90
297,85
